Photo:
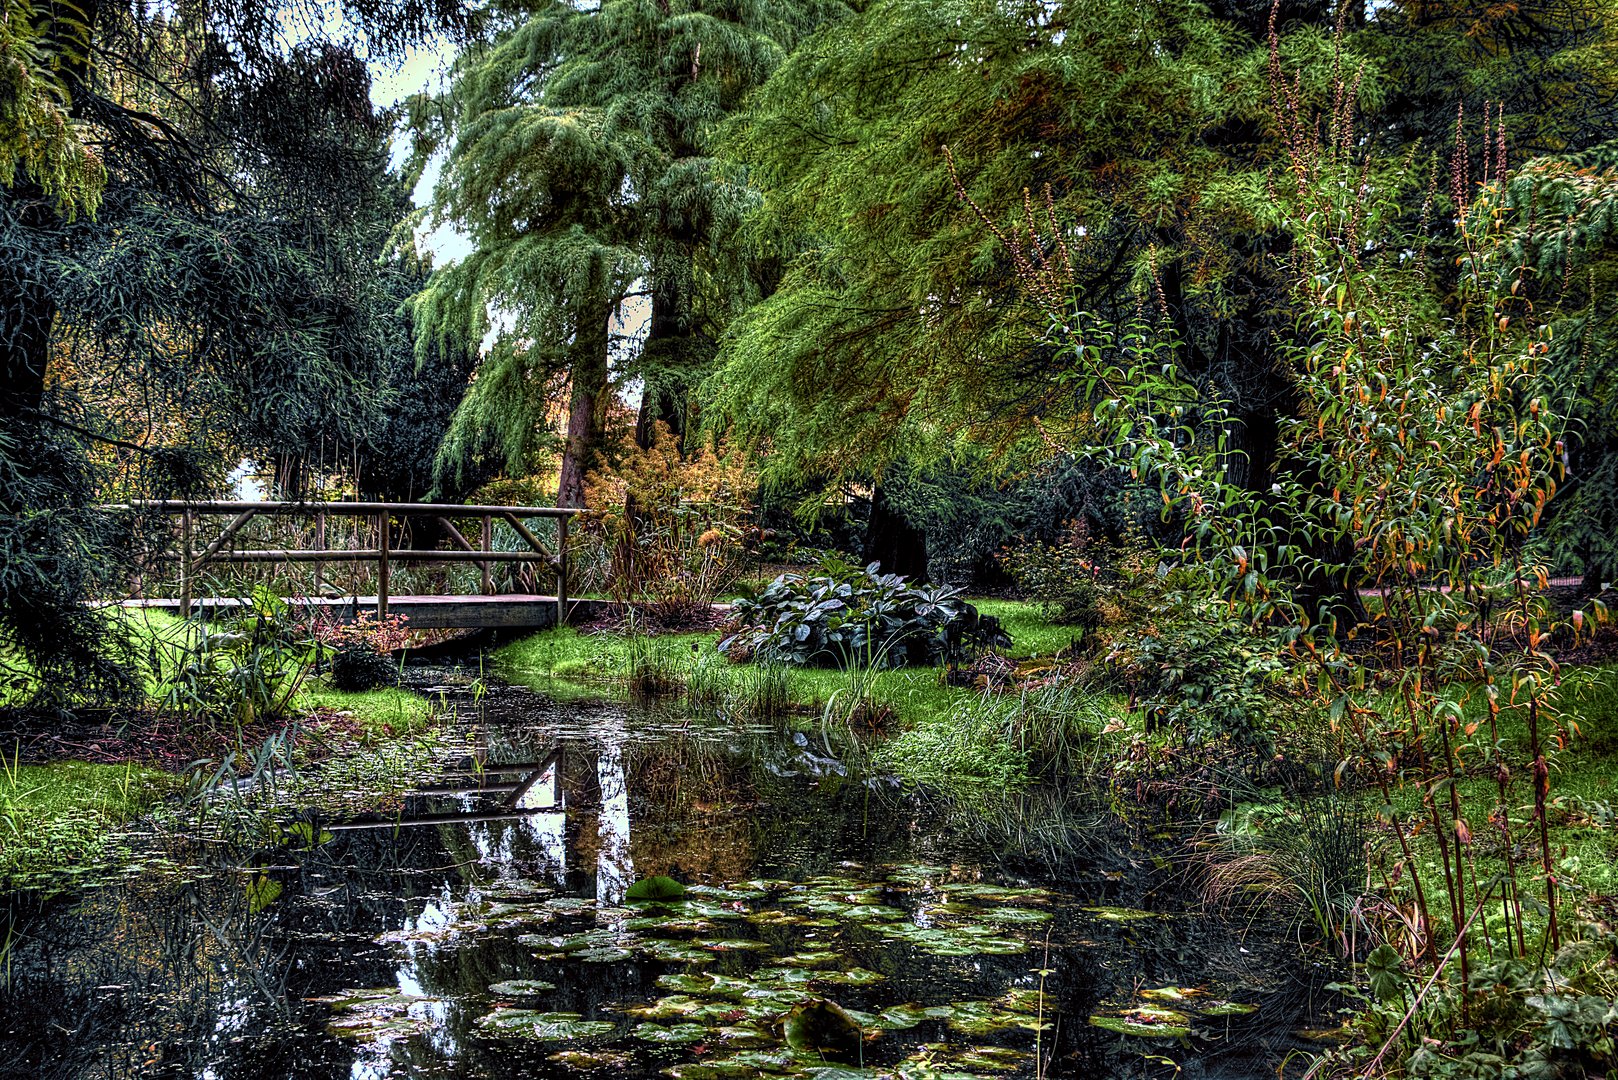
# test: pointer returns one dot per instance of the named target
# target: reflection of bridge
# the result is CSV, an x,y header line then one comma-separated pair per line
x,y
197,549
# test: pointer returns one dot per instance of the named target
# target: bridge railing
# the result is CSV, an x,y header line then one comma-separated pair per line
x,y
221,549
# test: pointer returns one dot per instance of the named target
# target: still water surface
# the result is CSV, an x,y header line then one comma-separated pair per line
x,y
479,927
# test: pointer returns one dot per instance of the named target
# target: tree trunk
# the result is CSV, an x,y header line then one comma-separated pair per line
x,y
892,542
587,409
669,357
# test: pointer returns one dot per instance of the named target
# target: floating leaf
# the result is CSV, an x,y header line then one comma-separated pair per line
x,y
655,888
521,987
822,1026
527,1024
675,1035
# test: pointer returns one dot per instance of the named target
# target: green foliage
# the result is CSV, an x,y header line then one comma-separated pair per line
x,y
40,137
1197,670
847,616
246,669
1305,861
579,162
1064,577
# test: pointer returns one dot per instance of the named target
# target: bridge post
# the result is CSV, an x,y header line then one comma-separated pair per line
x,y
185,564
561,570
488,545
382,565
320,545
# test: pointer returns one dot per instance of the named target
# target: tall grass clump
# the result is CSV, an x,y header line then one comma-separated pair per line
x,y
1304,863
762,692
652,668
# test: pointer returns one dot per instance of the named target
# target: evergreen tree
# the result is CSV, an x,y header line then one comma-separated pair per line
x,y
580,164
222,295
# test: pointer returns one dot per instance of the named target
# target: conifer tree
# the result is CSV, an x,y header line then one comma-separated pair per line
x,y
580,165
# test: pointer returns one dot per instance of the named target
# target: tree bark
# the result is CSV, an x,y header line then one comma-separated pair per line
x,y
587,408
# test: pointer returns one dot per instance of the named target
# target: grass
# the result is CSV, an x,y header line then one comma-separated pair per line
x,y
1032,634
570,666
383,713
56,820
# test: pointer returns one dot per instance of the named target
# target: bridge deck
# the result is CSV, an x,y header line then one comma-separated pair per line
x,y
513,611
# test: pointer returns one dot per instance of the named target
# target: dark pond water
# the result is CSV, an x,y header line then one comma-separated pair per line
x,y
479,927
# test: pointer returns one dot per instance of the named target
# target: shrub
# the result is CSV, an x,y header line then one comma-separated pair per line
x,y
1197,670
846,615
1064,577
245,669
671,527
361,650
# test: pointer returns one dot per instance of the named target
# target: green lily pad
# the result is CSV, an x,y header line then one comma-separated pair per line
x,y
1014,916
677,1034
814,958
1028,1000
744,1035
733,892
981,1018
980,1059
521,987
1227,1008
655,888
591,1060
1173,995
527,1024
607,954
822,1026
1146,1022
856,976
731,944
671,924
378,1014
1120,914
515,890
775,917
676,952
993,893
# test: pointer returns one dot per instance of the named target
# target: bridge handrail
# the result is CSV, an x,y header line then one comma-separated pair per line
x,y
356,509
191,562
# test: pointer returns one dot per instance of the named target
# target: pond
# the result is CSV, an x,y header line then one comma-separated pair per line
x,y
508,917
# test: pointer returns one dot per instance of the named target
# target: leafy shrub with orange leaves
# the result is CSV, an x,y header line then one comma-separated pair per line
x,y
673,522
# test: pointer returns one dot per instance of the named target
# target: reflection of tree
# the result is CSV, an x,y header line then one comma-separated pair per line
x,y
615,869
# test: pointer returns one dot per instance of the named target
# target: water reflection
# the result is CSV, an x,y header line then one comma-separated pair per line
x,y
452,895
615,868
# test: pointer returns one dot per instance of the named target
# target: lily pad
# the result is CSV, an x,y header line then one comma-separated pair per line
x,y
731,944
655,888
591,1060
1120,914
677,1034
606,954
676,952
1146,1022
1227,1008
527,1024
822,1026
521,987
814,958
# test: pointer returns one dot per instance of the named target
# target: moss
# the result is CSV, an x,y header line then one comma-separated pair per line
x,y
57,821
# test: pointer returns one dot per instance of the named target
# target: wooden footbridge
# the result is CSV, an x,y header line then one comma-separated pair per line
x,y
208,533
